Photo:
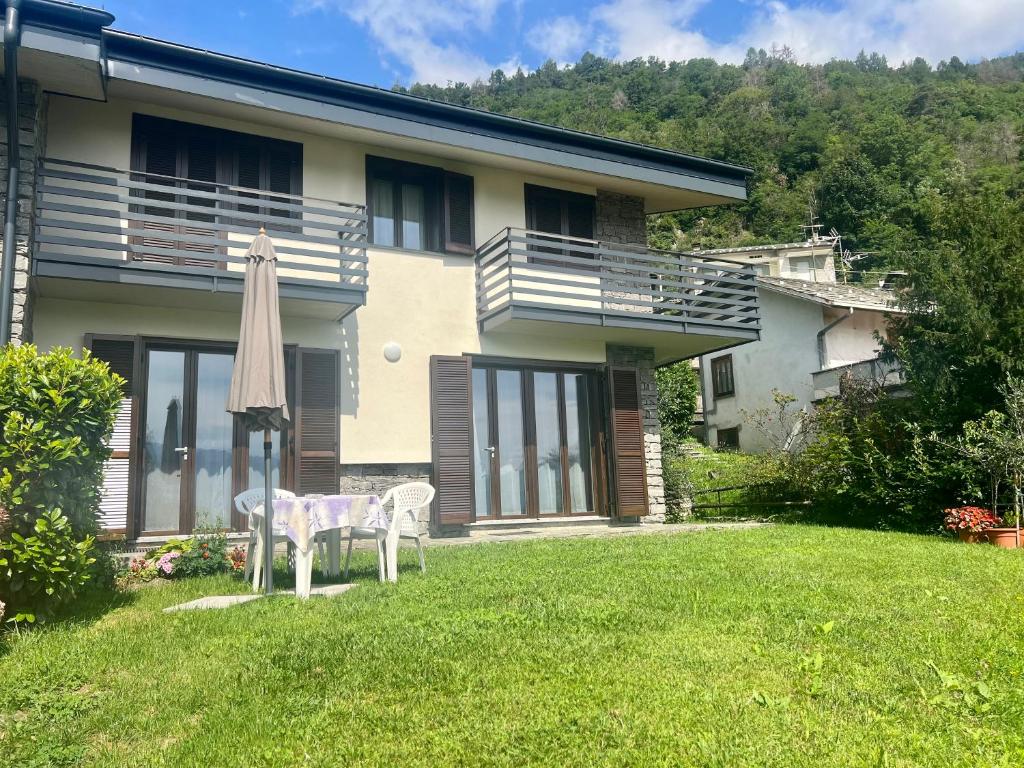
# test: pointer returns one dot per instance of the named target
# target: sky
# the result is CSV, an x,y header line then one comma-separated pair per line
x,y
384,42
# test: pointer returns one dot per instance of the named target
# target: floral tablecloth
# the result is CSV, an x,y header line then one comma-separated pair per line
x,y
301,518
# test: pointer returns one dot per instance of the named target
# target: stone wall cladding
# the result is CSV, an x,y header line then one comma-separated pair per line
x,y
32,140
377,478
621,219
642,358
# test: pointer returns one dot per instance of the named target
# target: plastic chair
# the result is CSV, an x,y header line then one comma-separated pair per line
x,y
246,503
408,500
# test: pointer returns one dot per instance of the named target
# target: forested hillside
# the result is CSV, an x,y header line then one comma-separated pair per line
x,y
875,150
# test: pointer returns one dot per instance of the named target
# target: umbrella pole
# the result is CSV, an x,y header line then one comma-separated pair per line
x,y
268,516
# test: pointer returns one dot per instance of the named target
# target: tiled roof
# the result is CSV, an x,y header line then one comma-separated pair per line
x,y
853,295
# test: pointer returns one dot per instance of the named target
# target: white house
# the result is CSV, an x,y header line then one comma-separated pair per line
x,y
814,329
466,298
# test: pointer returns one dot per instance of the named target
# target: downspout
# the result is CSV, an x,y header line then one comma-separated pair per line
x,y
821,337
12,39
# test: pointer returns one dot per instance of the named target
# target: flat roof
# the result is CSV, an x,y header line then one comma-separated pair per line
x,y
712,176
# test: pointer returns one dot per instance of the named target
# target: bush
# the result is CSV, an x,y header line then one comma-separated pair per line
x,y
203,555
56,413
41,568
677,401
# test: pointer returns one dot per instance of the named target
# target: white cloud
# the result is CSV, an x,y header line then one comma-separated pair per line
x,y
437,41
561,38
430,38
899,29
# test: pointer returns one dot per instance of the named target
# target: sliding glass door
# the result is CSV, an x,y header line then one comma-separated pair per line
x,y
535,435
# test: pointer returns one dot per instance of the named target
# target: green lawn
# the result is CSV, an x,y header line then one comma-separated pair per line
x,y
784,646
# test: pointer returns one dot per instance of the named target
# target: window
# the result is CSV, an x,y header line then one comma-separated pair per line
x,y
721,376
729,438
164,151
560,212
419,207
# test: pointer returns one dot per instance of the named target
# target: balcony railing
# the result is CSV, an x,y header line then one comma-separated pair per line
x,y
93,215
887,374
536,275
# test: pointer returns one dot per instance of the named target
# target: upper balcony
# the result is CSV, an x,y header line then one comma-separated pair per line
x,y
879,372
552,285
159,233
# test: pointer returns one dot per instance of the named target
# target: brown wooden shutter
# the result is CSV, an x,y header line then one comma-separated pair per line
x,y
119,354
458,213
629,483
317,462
451,427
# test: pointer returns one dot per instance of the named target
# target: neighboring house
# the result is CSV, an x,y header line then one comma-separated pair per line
x,y
466,298
813,331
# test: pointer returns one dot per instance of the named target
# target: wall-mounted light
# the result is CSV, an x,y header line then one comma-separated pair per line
x,y
392,351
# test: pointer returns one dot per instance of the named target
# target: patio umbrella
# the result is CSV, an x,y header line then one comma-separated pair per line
x,y
170,458
257,380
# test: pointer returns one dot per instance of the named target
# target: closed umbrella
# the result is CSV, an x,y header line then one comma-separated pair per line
x,y
257,380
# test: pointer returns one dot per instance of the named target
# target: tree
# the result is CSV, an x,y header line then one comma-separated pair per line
x,y
677,400
964,333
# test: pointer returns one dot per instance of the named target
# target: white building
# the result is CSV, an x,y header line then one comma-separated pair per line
x,y
814,329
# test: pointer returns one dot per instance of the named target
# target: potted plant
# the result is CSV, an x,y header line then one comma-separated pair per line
x,y
970,523
996,443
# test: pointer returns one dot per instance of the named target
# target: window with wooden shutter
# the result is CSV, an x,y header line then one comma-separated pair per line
x,y
451,426
627,430
119,354
458,213
317,461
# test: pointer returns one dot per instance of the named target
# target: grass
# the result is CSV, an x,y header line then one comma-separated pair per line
x,y
713,469
782,646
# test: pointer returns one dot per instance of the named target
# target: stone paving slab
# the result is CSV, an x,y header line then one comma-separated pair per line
x,y
226,601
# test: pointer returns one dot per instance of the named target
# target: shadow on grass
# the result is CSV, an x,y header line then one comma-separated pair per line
x,y
88,608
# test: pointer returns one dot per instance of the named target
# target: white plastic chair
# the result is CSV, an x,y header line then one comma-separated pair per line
x,y
408,500
246,503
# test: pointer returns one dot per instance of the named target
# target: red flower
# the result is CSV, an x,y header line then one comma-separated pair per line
x,y
206,555
968,518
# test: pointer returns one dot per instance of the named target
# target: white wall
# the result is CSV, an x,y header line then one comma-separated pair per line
x,y
853,339
423,301
783,359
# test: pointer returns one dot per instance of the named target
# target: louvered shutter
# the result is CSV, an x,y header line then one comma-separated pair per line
x,y
317,460
200,165
627,428
458,213
451,427
119,354
159,150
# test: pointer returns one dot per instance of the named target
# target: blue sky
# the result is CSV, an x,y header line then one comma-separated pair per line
x,y
383,42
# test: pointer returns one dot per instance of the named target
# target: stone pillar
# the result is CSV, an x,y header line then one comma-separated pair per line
x,y
32,140
620,218
642,358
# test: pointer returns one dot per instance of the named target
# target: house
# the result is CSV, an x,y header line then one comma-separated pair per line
x,y
466,298
814,331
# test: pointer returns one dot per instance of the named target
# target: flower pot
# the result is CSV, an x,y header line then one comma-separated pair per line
x,y
1003,537
971,537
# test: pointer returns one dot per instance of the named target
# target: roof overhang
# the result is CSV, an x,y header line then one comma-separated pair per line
x,y
69,50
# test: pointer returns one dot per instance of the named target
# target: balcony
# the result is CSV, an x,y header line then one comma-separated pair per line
x,y
158,234
883,373
552,285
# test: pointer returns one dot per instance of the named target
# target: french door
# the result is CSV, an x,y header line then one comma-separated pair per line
x,y
537,443
195,457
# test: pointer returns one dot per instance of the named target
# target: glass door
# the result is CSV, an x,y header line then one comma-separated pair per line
x,y
535,435
191,443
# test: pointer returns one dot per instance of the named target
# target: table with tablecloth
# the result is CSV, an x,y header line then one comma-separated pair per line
x,y
303,517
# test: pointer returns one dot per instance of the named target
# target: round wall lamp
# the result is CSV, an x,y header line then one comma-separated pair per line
x,y
392,352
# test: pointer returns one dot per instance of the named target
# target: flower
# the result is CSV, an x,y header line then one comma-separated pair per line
x,y
166,562
972,519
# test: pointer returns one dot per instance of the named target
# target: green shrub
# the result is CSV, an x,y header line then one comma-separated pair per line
x,y
56,413
43,567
